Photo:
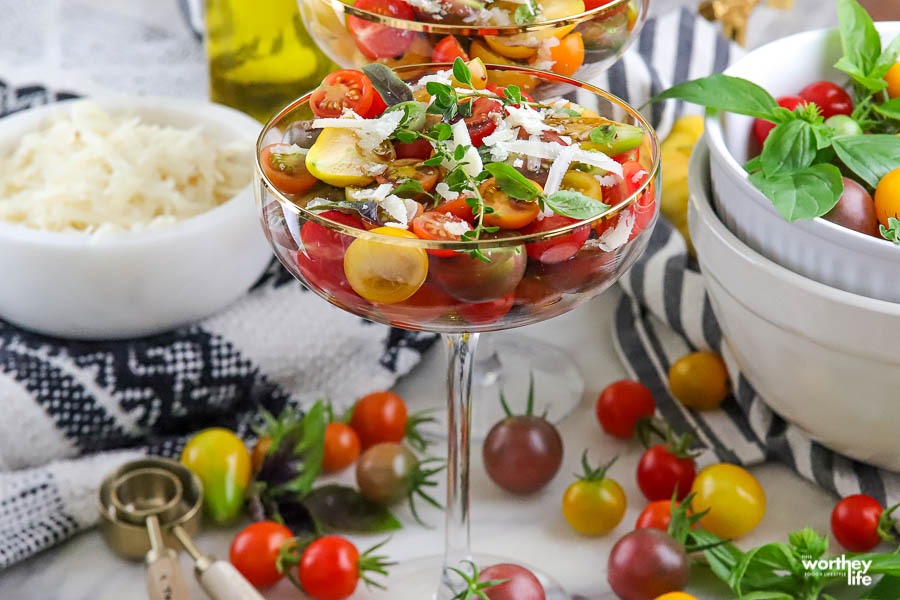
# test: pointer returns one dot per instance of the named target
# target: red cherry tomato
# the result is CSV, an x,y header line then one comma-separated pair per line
x,y
481,124
327,276
762,128
343,89
432,225
329,568
854,522
255,550
519,583
458,208
656,515
482,313
621,405
660,471
322,243
420,149
644,207
380,41
830,97
557,249
632,155
448,50
341,447
378,106
379,417
425,305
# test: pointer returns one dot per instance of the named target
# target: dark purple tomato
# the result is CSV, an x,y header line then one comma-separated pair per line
x,y
522,584
473,280
855,210
647,563
588,268
522,453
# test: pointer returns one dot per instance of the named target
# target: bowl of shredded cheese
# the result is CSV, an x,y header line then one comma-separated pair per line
x,y
123,217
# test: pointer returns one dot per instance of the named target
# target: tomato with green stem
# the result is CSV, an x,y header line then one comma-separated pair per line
x,y
621,405
762,128
647,563
331,567
860,523
594,504
522,453
382,417
831,98
254,552
667,469
345,89
503,581
734,499
699,380
389,472
656,515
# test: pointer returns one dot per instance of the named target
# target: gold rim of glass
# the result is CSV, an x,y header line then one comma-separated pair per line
x,y
473,244
502,30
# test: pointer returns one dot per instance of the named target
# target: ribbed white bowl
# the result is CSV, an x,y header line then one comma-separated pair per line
x,y
818,249
822,358
132,284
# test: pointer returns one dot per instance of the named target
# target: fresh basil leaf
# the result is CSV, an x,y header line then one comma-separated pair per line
x,y
808,543
825,156
391,88
409,188
804,194
790,147
723,92
890,109
461,72
603,135
441,132
775,556
434,161
886,589
892,232
568,112
859,38
871,157
754,164
871,84
512,182
887,59
767,596
824,134
338,508
406,137
575,205
882,564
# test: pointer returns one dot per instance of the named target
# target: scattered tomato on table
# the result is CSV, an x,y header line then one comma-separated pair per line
x,y
331,568
621,405
734,498
255,550
699,380
389,472
221,460
341,447
666,470
522,453
656,515
647,563
505,581
383,417
594,504
860,523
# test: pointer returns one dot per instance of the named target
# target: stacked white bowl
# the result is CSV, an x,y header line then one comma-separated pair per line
x,y
810,310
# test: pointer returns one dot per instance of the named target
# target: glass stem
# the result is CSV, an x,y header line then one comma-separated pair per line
x,y
460,354
488,368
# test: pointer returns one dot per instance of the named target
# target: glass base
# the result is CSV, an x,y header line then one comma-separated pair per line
x,y
418,579
503,360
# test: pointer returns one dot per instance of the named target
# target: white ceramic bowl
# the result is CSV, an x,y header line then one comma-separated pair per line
x,y
818,249
822,358
133,284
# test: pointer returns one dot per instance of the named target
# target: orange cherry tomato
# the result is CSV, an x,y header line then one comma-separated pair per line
x,y
458,208
379,417
893,81
285,170
255,550
341,447
568,56
508,213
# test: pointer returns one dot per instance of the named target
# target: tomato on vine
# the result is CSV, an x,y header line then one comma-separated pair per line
x,y
594,504
860,523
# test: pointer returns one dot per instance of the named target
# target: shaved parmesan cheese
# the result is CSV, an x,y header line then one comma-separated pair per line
x,y
456,227
396,208
529,119
544,61
473,165
617,236
288,149
442,77
378,194
444,192
550,151
370,132
494,141
606,180
558,169
518,163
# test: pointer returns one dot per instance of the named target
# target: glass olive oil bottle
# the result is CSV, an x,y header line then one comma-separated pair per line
x,y
260,55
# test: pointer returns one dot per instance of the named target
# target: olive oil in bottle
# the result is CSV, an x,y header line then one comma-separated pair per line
x,y
260,55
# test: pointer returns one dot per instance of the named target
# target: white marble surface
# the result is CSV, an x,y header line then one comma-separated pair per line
x,y
532,530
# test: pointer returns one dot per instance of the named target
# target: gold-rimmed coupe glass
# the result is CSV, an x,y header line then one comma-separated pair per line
x,y
606,32
459,296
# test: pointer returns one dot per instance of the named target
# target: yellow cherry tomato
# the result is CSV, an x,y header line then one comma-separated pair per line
x,y
479,74
676,596
734,498
578,181
568,55
504,47
699,380
526,83
221,461
887,197
560,9
594,504
384,272
893,81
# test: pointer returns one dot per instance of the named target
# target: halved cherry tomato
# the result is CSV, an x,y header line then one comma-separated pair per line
x,y
255,550
385,272
557,249
341,447
379,417
410,168
830,97
420,149
632,155
584,183
425,305
568,55
322,243
380,41
328,278
343,89
457,207
482,313
378,106
480,124
506,211
433,225
448,50
762,128
286,171
644,207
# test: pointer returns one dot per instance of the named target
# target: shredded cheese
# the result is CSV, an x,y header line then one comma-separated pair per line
x,y
370,132
456,227
444,192
529,119
473,164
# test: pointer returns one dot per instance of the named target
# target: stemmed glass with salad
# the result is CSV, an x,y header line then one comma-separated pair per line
x,y
423,199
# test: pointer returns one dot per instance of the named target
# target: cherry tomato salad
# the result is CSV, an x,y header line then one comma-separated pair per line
x,y
451,159
831,150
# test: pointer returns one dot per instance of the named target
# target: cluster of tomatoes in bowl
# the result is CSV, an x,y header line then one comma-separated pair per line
x,y
396,280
